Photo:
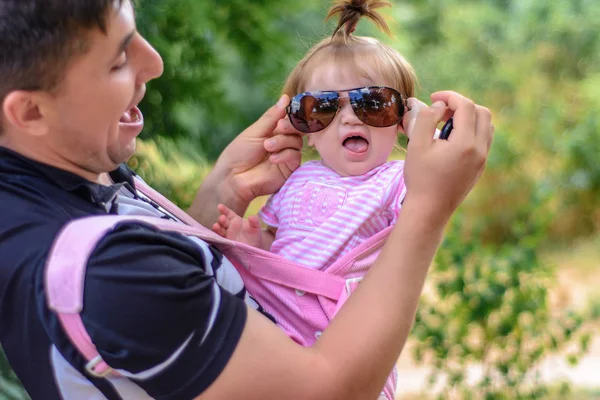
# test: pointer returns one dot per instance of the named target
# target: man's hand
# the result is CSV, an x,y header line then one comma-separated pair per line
x,y
256,163
440,173
263,156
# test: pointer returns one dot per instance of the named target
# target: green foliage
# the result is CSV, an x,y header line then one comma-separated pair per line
x,y
579,177
489,308
535,64
177,178
10,387
225,62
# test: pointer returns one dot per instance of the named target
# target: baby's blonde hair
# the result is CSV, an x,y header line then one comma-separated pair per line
x,y
366,56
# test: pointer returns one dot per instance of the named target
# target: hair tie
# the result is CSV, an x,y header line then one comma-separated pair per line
x,y
359,9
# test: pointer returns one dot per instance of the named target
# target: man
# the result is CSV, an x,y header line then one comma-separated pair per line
x,y
169,313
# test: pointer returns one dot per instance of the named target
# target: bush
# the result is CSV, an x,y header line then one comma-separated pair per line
x,y
489,307
169,170
10,386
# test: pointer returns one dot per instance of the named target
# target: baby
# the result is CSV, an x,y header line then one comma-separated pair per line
x,y
348,95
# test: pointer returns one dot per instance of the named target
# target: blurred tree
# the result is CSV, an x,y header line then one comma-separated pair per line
x,y
10,386
535,64
225,62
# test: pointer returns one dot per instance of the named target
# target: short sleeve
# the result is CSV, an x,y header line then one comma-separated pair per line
x,y
395,192
153,309
270,212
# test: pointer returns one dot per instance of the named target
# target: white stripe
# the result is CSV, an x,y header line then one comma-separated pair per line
x,y
213,311
149,373
366,211
72,385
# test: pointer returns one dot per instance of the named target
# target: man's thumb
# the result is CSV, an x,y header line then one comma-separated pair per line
x,y
423,127
268,121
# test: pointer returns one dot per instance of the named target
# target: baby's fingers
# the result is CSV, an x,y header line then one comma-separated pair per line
x,y
254,222
223,221
227,213
219,230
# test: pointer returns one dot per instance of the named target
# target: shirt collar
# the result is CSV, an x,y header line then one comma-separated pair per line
x,y
91,191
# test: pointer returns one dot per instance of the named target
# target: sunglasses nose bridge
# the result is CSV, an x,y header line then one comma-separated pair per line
x,y
348,111
341,100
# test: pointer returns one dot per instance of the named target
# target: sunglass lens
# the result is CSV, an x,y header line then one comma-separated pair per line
x,y
313,112
377,106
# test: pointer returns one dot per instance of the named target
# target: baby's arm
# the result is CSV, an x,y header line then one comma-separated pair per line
x,y
248,231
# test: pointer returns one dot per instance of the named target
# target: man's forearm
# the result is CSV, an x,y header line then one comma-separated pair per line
x,y
357,351
213,191
387,298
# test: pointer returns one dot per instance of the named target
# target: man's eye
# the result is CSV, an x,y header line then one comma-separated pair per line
x,y
121,63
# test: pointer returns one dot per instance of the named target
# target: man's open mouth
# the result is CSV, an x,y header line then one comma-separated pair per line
x,y
132,116
356,144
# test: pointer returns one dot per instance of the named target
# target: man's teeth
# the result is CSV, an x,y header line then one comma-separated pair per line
x,y
130,116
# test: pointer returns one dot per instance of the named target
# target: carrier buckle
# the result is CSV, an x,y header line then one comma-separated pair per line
x,y
350,281
92,364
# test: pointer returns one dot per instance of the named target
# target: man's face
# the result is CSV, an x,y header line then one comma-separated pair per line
x,y
93,119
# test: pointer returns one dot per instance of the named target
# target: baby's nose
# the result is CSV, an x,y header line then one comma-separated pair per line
x,y
347,113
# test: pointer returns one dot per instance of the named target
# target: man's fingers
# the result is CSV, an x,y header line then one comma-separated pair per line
x,y
463,110
281,142
408,121
485,129
425,123
285,126
288,160
266,124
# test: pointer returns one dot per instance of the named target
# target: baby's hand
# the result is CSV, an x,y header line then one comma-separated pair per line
x,y
232,226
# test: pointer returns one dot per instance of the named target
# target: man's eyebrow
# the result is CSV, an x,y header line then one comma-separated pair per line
x,y
124,44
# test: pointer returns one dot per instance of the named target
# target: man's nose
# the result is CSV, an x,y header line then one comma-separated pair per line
x,y
150,62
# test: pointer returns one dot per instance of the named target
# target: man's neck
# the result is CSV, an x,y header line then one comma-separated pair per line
x,y
56,162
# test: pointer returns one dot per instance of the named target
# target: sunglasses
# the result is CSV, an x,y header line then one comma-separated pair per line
x,y
376,106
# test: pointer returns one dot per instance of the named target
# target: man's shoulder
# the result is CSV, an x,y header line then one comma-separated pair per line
x,y
28,221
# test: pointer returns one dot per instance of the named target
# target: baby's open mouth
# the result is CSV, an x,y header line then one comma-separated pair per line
x,y
133,116
356,144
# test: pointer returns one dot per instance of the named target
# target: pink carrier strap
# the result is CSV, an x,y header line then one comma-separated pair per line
x,y
285,271
67,262
65,275
270,278
165,203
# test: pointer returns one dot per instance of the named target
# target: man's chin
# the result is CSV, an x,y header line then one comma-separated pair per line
x,y
123,153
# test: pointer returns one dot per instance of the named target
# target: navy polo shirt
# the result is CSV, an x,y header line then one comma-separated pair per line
x,y
165,310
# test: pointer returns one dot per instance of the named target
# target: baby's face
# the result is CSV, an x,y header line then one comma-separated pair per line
x,y
348,145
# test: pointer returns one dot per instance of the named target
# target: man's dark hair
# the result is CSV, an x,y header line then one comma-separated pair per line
x,y
39,38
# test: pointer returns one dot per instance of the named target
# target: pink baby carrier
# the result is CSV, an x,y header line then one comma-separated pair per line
x,y
302,300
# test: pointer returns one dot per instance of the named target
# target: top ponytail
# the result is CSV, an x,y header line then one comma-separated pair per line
x,y
351,11
363,55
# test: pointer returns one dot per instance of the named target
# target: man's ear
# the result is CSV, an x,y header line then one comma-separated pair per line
x,y
24,110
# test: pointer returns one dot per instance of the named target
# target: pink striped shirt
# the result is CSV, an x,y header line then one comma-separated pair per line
x,y
320,215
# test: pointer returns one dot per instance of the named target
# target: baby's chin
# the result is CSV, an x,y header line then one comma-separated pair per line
x,y
354,169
